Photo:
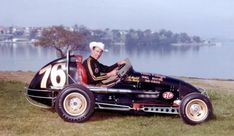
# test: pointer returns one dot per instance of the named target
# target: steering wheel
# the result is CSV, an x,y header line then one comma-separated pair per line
x,y
122,70
121,66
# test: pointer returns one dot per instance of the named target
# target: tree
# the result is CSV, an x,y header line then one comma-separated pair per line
x,y
116,36
196,39
185,38
60,39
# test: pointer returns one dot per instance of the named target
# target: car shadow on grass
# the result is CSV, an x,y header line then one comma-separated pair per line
x,y
100,115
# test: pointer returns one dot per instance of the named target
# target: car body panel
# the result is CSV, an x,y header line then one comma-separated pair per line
x,y
146,89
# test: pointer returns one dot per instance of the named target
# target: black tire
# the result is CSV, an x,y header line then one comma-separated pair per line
x,y
195,108
75,103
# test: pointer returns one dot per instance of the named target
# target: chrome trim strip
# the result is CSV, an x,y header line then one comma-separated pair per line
x,y
37,90
111,90
41,97
36,104
114,107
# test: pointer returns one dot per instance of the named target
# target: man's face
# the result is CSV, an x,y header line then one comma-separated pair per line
x,y
96,53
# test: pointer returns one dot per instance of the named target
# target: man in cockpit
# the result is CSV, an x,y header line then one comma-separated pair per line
x,y
96,71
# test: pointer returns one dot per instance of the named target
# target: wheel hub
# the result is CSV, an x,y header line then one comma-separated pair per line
x,y
75,103
195,109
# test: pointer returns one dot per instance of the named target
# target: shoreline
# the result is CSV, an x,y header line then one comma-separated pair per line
x,y
226,85
187,77
218,79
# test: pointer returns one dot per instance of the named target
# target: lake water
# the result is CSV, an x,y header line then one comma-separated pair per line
x,y
202,61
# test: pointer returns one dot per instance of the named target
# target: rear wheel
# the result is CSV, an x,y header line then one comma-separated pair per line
x,y
75,103
195,108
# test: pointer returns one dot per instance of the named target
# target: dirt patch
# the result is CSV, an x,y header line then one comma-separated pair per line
x,y
21,76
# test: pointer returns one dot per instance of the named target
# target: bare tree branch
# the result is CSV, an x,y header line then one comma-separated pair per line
x,y
60,39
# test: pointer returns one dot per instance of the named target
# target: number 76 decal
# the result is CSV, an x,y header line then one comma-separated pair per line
x,y
57,75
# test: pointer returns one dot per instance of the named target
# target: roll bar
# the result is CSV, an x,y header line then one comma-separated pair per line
x,y
68,66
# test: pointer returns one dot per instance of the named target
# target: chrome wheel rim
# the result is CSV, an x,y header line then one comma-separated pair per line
x,y
196,110
75,104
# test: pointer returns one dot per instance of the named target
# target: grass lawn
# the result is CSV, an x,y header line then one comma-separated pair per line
x,y
18,117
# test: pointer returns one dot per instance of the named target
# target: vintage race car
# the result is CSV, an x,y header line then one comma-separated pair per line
x,y
62,84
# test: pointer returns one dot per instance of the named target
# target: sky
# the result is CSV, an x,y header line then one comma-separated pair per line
x,y
205,18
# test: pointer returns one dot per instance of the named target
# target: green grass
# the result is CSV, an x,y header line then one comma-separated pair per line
x,y
18,117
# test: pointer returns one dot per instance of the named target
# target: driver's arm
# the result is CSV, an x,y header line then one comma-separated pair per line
x,y
107,69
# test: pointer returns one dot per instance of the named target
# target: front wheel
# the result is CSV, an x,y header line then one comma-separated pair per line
x,y
75,104
195,108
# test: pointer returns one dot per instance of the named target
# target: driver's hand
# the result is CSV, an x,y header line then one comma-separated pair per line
x,y
121,62
112,73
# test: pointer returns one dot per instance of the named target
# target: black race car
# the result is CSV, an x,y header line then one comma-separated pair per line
x,y
62,84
